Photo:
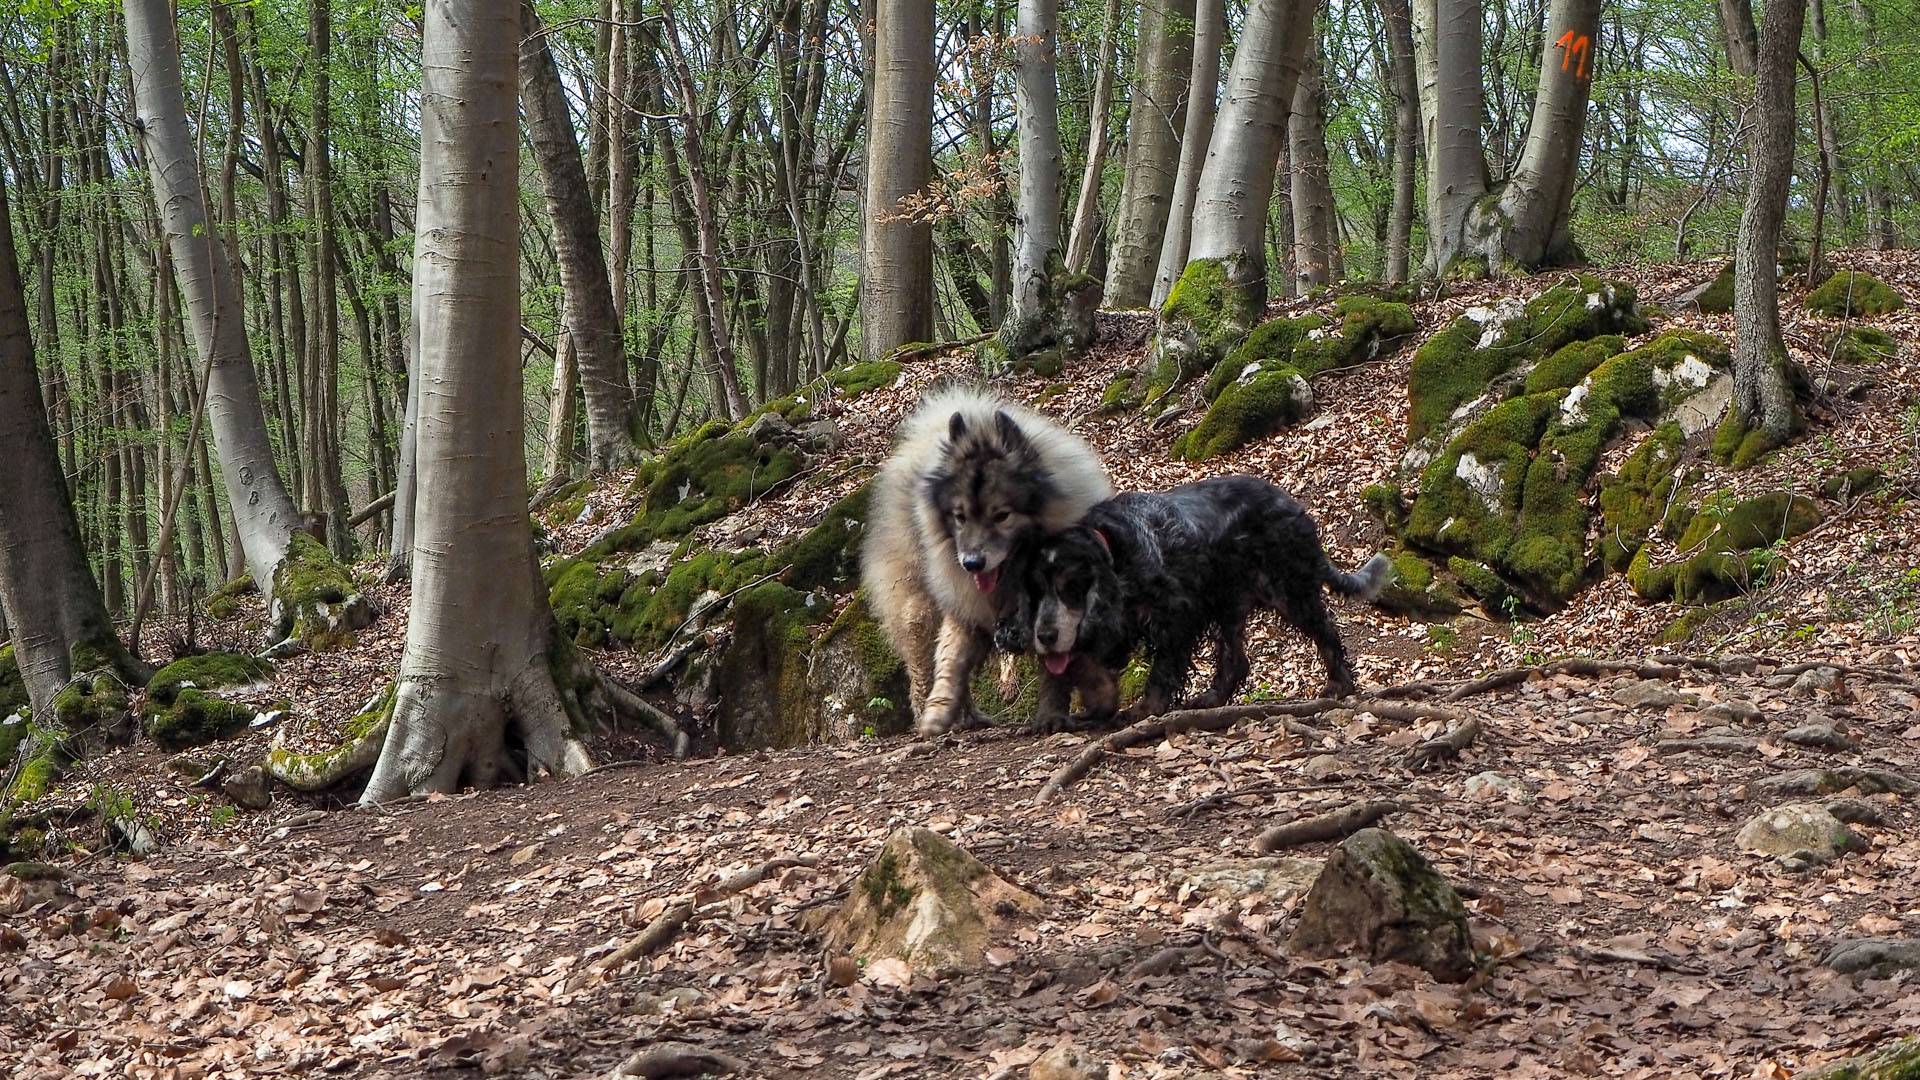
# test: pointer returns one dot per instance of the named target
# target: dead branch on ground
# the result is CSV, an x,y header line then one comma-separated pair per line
x,y
1158,727
667,925
1446,747
1333,825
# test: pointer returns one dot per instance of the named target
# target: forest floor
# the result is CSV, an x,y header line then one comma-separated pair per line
x,y
1623,932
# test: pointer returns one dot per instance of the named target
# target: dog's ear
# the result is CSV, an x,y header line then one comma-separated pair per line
x,y
957,427
1010,433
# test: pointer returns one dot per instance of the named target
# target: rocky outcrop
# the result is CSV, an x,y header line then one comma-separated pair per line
x,y
1378,898
927,902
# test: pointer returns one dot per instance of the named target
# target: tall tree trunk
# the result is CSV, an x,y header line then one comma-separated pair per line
x,y
1881,231
1050,310
724,375
1316,238
59,624
1457,161
263,512
481,643
1203,92
562,410
896,271
591,320
1398,19
1086,209
1156,117
1524,226
1762,388
1737,31
1227,263
326,483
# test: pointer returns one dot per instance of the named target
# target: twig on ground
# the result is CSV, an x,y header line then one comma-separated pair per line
x,y
667,925
1333,825
1445,747
1632,956
1156,727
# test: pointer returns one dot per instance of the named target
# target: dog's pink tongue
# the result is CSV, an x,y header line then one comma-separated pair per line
x,y
1056,662
987,580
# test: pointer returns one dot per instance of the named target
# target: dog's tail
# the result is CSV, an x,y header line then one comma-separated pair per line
x,y
1365,582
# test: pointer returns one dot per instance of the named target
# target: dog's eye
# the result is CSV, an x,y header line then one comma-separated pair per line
x,y
1001,517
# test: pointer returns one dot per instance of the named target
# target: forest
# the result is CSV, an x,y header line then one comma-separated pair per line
x,y
443,493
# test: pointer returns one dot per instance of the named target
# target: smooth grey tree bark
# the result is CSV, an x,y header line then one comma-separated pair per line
x,y
1457,161
59,623
482,647
1086,210
263,512
1203,100
1397,17
896,273
1051,309
588,314
1316,240
1524,225
1763,400
1155,121
1741,37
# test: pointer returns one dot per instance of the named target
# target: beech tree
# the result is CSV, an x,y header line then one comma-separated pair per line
x,y
1224,285
1051,309
1397,17
60,626
1209,34
591,322
1316,228
896,271
482,649
290,571
1763,411
1156,117
1520,221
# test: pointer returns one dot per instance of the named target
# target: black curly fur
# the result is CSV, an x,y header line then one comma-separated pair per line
x,y
1165,571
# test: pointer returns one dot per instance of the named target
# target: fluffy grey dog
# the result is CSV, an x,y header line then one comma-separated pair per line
x,y
971,479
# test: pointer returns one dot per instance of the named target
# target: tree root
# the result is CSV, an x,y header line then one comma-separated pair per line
x,y
1333,825
1447,747
667,925
634,707
1157,727
1575,666
668,1059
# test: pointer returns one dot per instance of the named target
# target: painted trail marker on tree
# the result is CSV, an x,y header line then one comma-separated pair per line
x,y
1573,45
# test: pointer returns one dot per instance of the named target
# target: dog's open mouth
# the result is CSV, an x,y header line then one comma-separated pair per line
x,y
1056,662
987,580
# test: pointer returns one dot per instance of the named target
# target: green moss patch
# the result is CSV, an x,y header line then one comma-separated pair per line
x,y
860,378
224,602
1459,364
1850,293
1508,492
1861,345
314,597
1850,484
1261,386
1717,299
1571,363
359,749
209,671
1724,553
1642,497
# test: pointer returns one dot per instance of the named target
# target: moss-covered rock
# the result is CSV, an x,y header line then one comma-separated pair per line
x,y
859,687
860,378
1642,497
1724,552
763,668
1854,482
315,600
14,709
1460,363
1851,293
1247,410
95,701
224,602
1717,297
1898,1060
208,671
1420,589
1689,623
1508,492
181,709
1571,363
1861,345
45,757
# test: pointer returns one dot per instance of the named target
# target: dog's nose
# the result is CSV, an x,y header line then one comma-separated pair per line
x,y
1046,635
973,564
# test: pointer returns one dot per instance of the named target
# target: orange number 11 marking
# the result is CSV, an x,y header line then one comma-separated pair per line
x,y
1572,45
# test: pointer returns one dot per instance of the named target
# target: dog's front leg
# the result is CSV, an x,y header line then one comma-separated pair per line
x,y
1056,692
959,650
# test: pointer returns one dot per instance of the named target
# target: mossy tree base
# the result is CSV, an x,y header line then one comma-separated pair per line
x,y
1207,314
315,600
1060,329
357,752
